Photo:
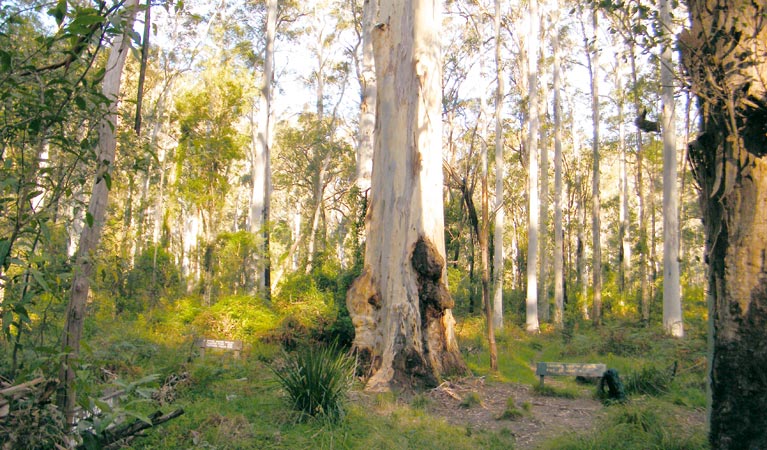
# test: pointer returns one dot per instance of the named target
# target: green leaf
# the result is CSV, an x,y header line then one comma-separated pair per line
x,y
5,60
5,249
38,276
59,12
88,18
142,417
80,102
89,219
108,180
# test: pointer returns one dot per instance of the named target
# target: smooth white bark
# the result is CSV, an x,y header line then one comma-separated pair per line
x,y
261,159
533,210
558,229
672,304
368,98
498,254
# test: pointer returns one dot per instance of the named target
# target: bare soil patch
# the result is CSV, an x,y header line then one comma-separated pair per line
x,y
544,418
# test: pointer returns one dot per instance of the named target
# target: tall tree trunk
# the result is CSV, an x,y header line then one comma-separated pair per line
x,y
592,52
368,98
498,260
543,234
261,165
484,243
624,250
400,305
672,302
91,234
533,210
559,305
483,234
724,54
644,289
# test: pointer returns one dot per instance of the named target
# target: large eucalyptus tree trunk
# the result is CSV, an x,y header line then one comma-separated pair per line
x,y
724,54
400,305
91,234
672,302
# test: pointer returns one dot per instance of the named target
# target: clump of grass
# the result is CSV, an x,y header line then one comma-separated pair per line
x,y
649,380
420,401
317,380
512,412
471,400
551,391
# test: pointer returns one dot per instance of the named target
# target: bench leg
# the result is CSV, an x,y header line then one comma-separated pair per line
x,y
541,380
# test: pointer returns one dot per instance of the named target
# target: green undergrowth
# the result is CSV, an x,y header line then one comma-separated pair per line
x,y
638,425
240,404
233,404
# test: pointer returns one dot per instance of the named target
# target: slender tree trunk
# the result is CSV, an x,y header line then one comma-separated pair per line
x,y
142,69
400,305
484,243
624,251
498,257
91,234
644,289
543,234
724,54
533,210
593,66
672,302
483,234
261,166
559,305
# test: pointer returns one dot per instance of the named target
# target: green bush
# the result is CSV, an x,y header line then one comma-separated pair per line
x,y
236,317
317,380
153,277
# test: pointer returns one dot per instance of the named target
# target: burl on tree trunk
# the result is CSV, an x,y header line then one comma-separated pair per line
x,y
725,55
410,340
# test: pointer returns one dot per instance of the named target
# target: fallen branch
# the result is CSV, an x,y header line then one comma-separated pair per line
x,y
129,430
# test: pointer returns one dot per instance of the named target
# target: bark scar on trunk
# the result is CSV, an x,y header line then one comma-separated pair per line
x,y
432,292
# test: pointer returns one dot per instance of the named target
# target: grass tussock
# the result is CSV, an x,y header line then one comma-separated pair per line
x,y
551,391
317,380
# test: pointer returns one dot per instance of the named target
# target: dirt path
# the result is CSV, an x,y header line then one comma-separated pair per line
x,y
547,416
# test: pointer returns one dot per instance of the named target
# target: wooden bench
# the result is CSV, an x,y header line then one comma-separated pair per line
x,y
234,346
570,369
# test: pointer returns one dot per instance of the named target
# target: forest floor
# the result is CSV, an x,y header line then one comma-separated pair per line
x,y
547,416
542,418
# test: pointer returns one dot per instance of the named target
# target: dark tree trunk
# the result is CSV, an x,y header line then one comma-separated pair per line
x,y
724,54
